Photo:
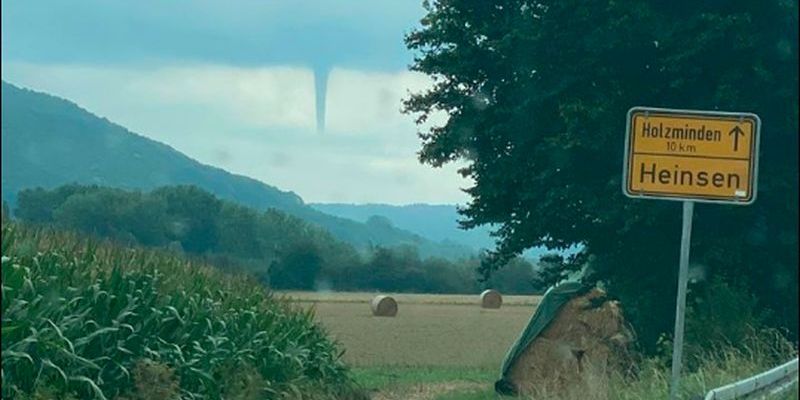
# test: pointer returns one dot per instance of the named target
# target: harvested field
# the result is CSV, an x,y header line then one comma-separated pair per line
x,y
404,298
423,332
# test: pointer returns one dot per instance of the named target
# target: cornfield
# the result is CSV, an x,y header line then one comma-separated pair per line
x,y
87,319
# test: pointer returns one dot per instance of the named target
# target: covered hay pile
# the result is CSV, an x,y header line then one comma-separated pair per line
x,y
383,306
491,299
587,336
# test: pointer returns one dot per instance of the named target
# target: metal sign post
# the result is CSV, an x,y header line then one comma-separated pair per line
x,y
690,156
680,308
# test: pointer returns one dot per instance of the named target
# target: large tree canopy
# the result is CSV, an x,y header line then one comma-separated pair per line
x,y
536,94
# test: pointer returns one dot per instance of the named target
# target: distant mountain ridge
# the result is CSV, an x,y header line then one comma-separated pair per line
x,y
48,141
438,222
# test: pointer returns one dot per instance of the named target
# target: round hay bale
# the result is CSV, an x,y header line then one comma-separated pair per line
x,y
491,298
383,306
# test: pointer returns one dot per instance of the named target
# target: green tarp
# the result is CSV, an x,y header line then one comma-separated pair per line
x,y
548,308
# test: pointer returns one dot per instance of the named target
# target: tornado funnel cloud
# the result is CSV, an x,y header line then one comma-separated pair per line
x,y
320,94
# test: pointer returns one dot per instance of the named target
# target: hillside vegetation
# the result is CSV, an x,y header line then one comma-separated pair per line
x,y
48,142
282,251
84,319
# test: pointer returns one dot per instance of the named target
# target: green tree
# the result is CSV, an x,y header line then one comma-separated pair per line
x,y
193,215
443,276
237,229
394,269
515,278
298,269
99,211
37,205
536,94
113,213
144,219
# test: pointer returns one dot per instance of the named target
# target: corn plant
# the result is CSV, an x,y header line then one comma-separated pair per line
x,y
78,316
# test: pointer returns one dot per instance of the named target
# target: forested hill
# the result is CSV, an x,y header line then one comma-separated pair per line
x,y
48,141
437,222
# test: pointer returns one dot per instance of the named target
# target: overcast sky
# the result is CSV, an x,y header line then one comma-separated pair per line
x,y
232,84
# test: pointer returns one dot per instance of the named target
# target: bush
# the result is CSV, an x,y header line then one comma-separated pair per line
x,y
721,313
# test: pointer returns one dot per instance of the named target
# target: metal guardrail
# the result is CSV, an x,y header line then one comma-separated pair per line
x,y
770,382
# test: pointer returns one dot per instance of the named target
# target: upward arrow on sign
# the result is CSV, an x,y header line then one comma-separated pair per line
x,y
736,132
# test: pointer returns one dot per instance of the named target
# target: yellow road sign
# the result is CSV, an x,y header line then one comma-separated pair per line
x,y
703,156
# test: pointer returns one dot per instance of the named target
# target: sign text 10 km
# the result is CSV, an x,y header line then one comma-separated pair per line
x,y
705,156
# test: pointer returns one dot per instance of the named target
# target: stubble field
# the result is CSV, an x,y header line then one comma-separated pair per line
x,y
437,345
428,331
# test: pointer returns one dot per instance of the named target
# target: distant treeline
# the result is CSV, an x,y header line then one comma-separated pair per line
x,y
282,251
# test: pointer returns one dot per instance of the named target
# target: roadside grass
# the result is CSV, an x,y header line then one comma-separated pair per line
x,y
381,378
477,384
651,381
421,383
